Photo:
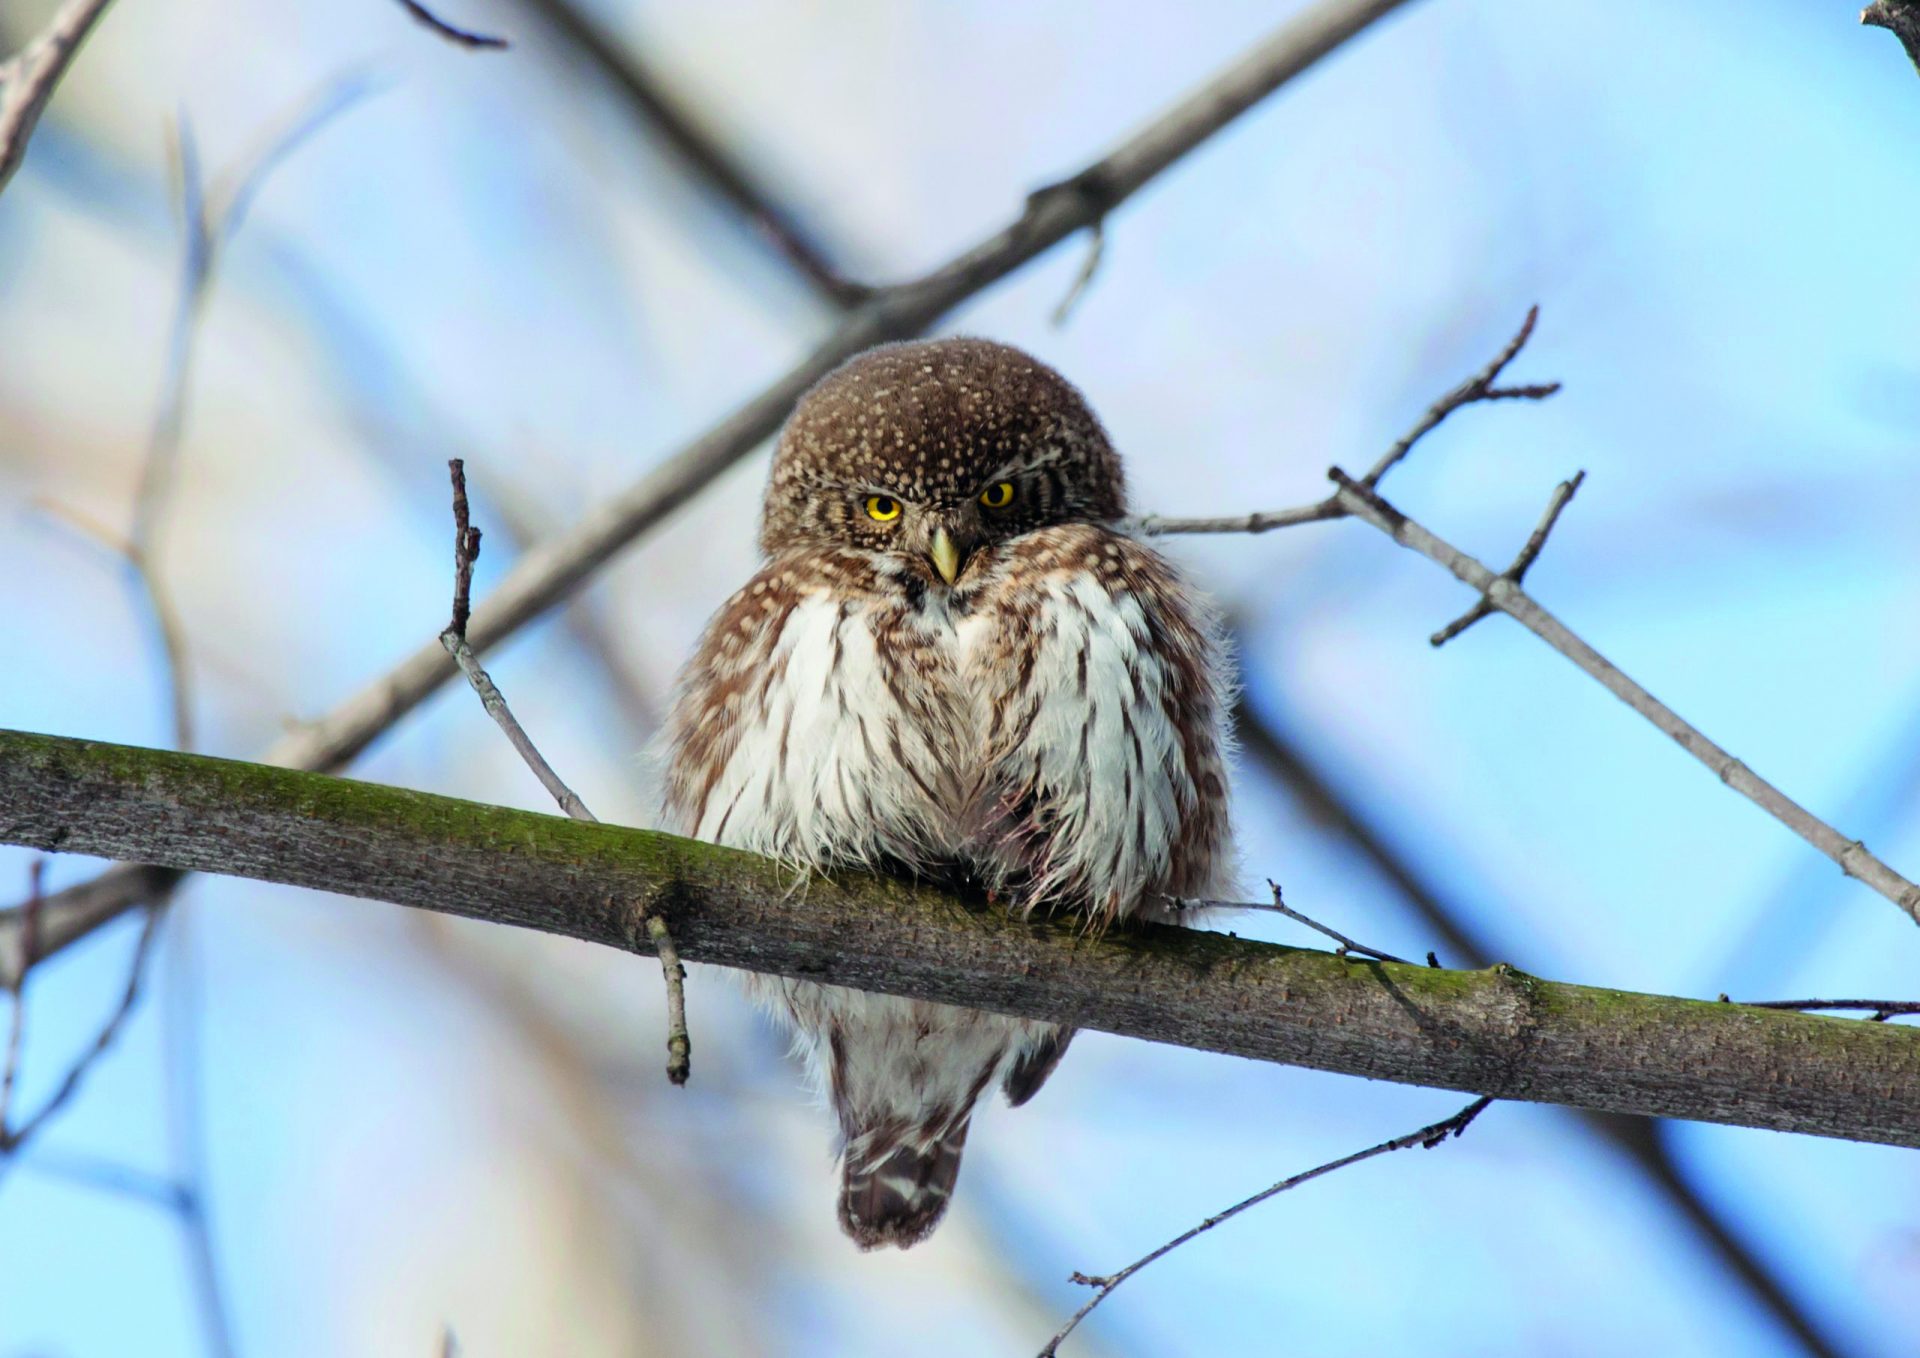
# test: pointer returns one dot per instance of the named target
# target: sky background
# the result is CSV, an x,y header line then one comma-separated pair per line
x,y
410,1121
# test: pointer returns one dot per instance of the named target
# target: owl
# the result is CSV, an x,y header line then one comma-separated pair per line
x,y
956,666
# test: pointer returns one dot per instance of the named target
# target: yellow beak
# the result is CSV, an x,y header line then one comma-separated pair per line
x,y
945,556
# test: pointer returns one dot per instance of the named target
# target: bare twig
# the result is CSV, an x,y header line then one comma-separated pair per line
x,y
1096,252
29,77
466,549
1900,18
1427,1137
1851,855
13,1138
1517,572
1643,1142
1360,499
1480,387
459,37
550,573
1347,945
1882,1010
711,162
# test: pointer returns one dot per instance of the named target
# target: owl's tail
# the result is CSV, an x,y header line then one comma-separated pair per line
x,y
895,1188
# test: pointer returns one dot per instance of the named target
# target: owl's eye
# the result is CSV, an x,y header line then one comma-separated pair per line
x,y
883,508
998,495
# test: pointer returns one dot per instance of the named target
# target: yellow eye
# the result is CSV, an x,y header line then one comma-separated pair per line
x,y
883,507
998,495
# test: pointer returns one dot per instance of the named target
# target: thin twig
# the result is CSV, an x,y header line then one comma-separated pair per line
x,y
1428,1137
1516,573
466,550
1348,947
459,37
1359,499
1643,1141
1882,1010
1154,525
12,1138
1089,266
1480,387
1851,855
29,77
546,576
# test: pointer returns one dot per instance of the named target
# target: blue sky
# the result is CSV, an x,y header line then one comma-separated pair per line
x,y
411,1122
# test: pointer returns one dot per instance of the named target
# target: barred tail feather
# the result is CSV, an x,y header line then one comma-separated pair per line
x,y
895,1192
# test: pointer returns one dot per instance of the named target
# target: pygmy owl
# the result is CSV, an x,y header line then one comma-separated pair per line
x,y
956,665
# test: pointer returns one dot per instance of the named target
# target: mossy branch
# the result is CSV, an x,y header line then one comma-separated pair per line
x,y
1496,1031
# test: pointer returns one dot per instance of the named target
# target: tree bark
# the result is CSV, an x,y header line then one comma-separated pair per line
x,y
1496,1031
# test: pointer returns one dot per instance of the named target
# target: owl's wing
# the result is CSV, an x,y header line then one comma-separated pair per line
x,y
1107,690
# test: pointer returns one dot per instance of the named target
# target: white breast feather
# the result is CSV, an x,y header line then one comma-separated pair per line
x,y
824,769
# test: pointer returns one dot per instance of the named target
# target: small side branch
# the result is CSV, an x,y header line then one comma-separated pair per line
x,y
1480,387
1516,573
1427,1137
13,1138
459,37
1880,1010
466,550
1359,498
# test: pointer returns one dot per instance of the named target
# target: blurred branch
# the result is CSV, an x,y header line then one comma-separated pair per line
x,y
1900,18
711,163
1644,1141
29,77
12,1138
550,572
1497,1032
1428,1137
466,550
1503,593
459,37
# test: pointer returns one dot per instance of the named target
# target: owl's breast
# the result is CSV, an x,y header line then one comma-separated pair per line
x,y
836,735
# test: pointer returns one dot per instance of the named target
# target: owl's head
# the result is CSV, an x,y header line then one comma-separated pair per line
x,y
933,450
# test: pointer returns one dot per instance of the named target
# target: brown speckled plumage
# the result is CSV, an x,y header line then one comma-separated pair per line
x,y
955,664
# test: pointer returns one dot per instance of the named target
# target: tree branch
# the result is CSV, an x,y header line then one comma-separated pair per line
x,y
29,77
1900,18
1360,499
1496,1032
1427,1137
466,550
550,572
459,37
1644,1142
711,163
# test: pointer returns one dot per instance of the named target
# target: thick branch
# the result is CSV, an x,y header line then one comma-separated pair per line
x,y
1495,1032
550,572
28,79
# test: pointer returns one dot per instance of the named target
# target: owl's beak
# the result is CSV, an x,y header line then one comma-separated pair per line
x,y
945,556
